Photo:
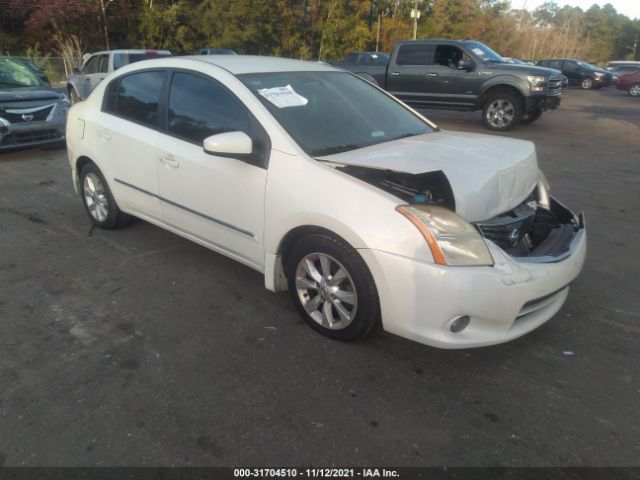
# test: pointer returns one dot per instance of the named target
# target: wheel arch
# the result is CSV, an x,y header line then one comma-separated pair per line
x,y
275,263
501,86
81,162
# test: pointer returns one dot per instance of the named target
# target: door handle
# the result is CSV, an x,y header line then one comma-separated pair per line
x,y
169,160
103,133
395,74
431,74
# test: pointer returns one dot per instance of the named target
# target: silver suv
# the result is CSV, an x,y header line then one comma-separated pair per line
x,y
98,65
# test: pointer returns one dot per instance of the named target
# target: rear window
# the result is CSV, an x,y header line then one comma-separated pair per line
x,y
414,55
135,97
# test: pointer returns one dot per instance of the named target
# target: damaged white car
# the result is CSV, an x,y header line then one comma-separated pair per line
x,y
363,209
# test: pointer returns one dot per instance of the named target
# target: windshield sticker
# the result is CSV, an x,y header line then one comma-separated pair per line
x,y
283,97
478,51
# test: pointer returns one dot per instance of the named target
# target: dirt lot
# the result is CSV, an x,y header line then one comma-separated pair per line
x,y
136,347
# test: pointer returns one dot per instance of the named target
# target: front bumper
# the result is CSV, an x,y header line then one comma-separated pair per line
x,y
31,134
549,102
420,300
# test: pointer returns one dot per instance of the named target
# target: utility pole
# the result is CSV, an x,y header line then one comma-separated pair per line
x,y
415,14
378,31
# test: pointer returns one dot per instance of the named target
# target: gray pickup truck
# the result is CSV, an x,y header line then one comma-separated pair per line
x,y
465,75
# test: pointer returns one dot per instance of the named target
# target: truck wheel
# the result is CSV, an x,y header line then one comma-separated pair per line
x,y
587,84
531,116
634,91
502,110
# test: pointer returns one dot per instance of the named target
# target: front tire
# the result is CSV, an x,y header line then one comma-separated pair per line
x,y
502,110
634,90
587,84
532,116
98,200
332,287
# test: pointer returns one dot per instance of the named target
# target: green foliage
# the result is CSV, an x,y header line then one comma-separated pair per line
x,y
312,29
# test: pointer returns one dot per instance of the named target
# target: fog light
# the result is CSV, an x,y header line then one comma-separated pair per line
x,y
460,323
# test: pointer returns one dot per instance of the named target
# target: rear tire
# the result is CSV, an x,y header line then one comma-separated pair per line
x,y
98,200
532,116
502,110
634,90
332,287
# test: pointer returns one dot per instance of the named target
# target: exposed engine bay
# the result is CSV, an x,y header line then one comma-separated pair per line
x,y
539,229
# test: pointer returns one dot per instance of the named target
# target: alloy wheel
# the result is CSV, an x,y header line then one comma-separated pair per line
x,y
500,113
326,291
587,83
634,91
95,196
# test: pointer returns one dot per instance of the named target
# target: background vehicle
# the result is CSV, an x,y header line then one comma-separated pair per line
x,y
516,61
335,190
31,113
371,58
465,75
215,51
98,65
630,82
580,73
616,64
624,69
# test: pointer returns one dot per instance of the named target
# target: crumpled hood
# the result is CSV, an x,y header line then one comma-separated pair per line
x,y
489,175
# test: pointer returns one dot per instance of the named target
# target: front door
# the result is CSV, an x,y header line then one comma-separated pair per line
x,y
449,84
218,201
93,72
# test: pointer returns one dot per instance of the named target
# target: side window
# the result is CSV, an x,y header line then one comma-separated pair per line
x,y
414,54
449,56
104,64
199,108
554,64
571,67
92,65
119,60
135,97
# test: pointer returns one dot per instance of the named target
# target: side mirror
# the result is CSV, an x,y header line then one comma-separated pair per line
x,y
466,65
228,144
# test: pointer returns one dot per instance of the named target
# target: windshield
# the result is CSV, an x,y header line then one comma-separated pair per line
x,y
332,112
484,53
16,75
587,66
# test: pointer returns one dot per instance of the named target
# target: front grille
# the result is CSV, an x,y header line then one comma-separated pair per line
x,y
555,86
26,115
18,138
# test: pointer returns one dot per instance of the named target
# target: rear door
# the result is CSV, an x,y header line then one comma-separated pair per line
x,y
571,70
213,199
127,135
407,72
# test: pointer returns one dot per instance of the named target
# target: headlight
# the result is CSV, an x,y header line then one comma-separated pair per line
x,y
537,83
452,240
598,74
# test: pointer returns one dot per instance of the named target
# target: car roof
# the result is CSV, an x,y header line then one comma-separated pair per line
x,y
239,64
134,50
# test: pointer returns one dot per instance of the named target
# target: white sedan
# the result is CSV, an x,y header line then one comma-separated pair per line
x,y
333,189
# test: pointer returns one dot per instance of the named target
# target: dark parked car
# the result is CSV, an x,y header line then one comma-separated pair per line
x,y
31,113
630,82
580,73
215,51
371,58
465,75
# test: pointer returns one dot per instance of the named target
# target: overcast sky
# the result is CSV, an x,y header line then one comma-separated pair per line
x,y
630,8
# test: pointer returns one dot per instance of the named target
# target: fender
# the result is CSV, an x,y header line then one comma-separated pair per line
x,y
513,81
